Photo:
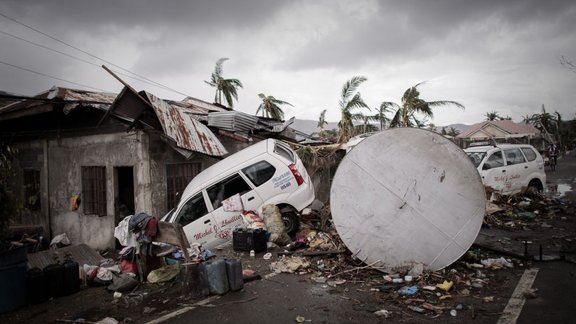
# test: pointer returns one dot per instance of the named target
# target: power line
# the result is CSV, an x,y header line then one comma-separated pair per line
x,y
75,57
89,54
52,77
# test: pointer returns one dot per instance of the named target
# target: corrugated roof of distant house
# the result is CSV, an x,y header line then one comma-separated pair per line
x,y
506,126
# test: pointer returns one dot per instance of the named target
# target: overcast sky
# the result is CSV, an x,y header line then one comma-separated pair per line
x,y
499,56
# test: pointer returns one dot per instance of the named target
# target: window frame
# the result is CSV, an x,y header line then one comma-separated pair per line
x,y
94,192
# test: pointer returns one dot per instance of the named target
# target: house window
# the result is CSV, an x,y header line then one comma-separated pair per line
x,y
177,177
94,190
32,189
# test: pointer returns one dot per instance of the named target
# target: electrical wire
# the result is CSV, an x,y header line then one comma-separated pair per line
x,y
76,58
52,77
91,55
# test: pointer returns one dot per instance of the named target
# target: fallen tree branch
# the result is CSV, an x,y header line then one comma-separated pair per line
x,y
371,265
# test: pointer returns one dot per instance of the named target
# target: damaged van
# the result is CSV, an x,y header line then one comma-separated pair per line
x,y
509,168
268,172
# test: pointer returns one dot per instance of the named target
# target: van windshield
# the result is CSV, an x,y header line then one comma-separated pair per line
x,y
476,157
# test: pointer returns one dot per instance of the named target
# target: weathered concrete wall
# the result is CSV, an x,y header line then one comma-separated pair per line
x,y
162,154
67,157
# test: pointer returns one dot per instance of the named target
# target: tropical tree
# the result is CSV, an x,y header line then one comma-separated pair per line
x,y
270,107
350,102
493,115
412,104
453,132
366,126
381,115
527,119
322,122
227,88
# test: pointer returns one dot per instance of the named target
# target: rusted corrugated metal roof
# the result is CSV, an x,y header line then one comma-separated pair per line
x,y
100,100
202,105
188,132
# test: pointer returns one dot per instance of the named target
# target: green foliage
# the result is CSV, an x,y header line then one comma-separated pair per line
x,y
270,107
224,87
350,102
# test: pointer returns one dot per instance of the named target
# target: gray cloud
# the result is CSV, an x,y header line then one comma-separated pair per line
x,y
489,55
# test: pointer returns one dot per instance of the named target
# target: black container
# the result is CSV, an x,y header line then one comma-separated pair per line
x,y
54,275
36,290
234,273
249,239
71,277
12,286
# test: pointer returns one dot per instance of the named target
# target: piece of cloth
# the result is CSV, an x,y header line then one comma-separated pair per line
x,y
123,234
152,227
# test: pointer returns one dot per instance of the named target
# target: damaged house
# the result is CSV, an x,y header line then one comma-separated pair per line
x,y
85,160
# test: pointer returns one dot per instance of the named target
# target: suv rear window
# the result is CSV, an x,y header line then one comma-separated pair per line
x,y
284,152
259,172
529,153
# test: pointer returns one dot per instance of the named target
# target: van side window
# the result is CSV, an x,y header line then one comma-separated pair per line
x,y
529,153
194,208
514,156
226,189
494,161
259,172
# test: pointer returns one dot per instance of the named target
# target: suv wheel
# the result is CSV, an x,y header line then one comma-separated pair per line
x,y
291,221
535,185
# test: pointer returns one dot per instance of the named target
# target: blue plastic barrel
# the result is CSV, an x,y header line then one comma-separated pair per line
x,y
217,278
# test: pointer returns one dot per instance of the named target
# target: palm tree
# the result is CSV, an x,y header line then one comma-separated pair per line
x,y
381,115
493,115
270,107
350,101
453,132
527,119
411,105
224,87
322,122
366,126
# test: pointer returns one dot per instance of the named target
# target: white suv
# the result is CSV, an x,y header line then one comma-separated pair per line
x,y
509,168
268,172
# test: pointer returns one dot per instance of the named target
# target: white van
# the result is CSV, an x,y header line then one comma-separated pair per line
x,y
268,172
509,168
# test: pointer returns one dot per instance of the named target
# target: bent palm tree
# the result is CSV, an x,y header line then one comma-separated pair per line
x,y
350,100
224,87
381,115
270,107
411,105
322,122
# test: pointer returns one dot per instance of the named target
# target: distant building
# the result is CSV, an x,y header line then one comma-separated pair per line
x,y
501,131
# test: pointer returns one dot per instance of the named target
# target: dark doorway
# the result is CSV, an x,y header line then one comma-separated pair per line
x,y
124,200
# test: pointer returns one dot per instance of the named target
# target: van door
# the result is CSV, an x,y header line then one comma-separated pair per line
x,y
493,171
517,169
198,223
227,221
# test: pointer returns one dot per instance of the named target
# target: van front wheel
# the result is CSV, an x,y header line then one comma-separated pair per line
x,y
291,221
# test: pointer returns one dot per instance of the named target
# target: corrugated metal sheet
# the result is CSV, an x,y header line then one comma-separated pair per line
x,y
234,121
82,254
202,105
188,133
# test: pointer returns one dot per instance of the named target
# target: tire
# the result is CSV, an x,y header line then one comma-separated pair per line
x,y
535,185
291,221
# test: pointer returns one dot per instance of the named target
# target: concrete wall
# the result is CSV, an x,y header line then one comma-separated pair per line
x,y
67,156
